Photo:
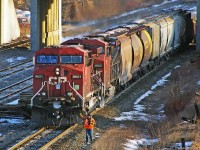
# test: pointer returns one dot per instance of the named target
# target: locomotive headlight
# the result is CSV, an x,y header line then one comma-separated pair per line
x,y
43,93
57,71
69,94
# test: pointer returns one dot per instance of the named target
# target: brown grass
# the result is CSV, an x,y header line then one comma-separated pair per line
x,y
114,138
96,9
169,133
111,111
181,91
178,101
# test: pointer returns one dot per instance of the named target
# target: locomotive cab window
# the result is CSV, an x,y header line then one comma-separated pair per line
x,y
46,59
71,59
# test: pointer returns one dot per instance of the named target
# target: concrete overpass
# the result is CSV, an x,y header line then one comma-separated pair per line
x,y
45,23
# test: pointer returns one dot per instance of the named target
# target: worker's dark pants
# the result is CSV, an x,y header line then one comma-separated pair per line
x,y
89,133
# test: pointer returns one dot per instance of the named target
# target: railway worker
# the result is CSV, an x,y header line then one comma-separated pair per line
x,y
89,123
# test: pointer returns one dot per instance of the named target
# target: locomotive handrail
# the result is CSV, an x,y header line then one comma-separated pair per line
x,y
43,84
79,95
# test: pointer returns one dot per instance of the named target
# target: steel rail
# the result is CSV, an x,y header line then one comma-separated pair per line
x,y
15,92
16,84
24,141
58,137
1,76
14,66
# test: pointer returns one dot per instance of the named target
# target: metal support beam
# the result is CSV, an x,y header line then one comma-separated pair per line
x,y
198,26
45,23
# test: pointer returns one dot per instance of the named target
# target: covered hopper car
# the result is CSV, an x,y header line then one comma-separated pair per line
x,y
80,73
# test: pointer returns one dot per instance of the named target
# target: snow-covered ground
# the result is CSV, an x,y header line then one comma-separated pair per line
x,y
15,59
11,121
13,102
135,144
198,82
138,114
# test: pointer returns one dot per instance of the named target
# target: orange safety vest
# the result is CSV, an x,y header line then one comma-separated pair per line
x,y
89,126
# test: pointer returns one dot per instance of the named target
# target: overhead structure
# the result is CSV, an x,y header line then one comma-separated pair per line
x,y
198,26
9,26
45,23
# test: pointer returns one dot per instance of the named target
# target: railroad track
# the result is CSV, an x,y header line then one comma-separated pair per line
x,y
16,68
42,139
20,42
14,89
11,90
16,65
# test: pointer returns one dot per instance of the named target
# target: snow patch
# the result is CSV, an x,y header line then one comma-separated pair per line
x,y
139,115
165,2
178,66
122,126
13,102
97,135
135,144
11,121
1,134
160,82
179,145
11,60
198,82
143,96
139,107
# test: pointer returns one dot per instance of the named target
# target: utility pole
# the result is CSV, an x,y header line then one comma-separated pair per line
x,y
198,27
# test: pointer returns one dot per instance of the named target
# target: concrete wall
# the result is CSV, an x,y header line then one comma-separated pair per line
x,y
9,24
45,23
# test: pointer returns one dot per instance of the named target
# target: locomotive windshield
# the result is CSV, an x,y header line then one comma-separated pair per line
x,y
71,59
47,59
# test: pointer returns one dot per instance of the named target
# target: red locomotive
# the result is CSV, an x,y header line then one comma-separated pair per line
x,y
79,74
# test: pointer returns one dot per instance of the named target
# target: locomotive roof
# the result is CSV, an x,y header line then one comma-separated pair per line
x,y
77,47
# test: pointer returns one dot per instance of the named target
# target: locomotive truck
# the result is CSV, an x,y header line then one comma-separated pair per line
x,y
79,74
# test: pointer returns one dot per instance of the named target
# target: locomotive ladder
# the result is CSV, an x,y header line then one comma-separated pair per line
x,y
98,79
